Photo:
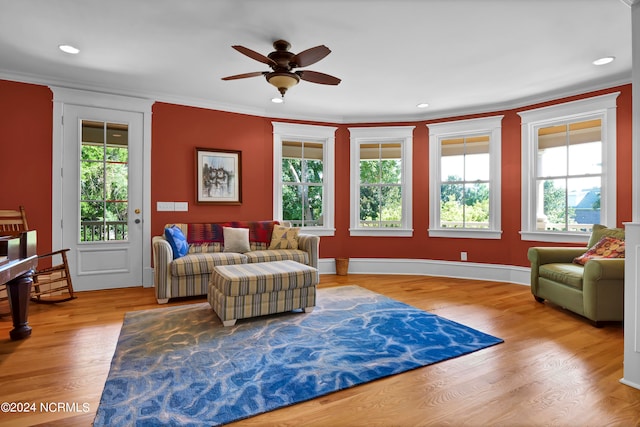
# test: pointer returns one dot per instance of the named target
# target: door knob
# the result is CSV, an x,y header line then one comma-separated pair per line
x,y
137,221
137,211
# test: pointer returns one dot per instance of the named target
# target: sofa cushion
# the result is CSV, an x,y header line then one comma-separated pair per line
x,y
600,231
177,241
204,263
284,237
607,247
565,273
278,255
199,248
236,240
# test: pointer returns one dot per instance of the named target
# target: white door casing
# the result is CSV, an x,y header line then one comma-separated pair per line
x,y
101,265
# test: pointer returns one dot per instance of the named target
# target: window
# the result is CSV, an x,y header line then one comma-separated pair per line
x,y
381,175
464,160
104,188
568,165
304,176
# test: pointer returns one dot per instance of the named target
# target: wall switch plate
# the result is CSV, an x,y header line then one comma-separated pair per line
x,y
165,206
182,206
463,256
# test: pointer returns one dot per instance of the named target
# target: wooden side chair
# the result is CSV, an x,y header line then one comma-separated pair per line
x,y
52,283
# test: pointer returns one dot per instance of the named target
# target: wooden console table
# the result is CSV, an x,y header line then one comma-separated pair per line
x,y
18,260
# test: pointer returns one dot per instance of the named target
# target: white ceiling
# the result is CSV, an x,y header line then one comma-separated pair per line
x,y
460,56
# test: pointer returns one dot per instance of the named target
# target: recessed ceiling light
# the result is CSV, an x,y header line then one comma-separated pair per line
x,y
422,105
277,100
69,49
604,60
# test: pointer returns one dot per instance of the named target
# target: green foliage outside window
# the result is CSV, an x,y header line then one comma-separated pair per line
x,y
381,192
302,191
464,206
103,191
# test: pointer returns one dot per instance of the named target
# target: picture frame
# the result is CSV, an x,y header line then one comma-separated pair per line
x,y
218,176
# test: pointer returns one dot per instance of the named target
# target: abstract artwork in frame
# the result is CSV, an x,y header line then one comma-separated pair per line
x,y
218,176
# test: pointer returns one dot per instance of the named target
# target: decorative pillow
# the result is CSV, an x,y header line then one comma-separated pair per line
x,y
607,247
599,231
177,241
236,240
284,237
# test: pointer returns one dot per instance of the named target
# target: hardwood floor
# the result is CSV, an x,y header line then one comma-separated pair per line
x,y
554,368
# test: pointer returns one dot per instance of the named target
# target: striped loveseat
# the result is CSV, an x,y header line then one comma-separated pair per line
x,y
189,275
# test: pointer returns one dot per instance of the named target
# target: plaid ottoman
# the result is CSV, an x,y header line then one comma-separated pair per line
x,y
247,290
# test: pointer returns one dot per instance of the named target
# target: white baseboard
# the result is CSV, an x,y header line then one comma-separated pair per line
x,y
460,270
630,383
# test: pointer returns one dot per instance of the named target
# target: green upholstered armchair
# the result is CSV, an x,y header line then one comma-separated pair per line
x,y
595,290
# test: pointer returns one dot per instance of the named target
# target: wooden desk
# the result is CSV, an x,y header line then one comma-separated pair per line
x,y
17,264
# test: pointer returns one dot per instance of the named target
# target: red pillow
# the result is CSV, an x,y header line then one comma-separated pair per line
x,y
607,247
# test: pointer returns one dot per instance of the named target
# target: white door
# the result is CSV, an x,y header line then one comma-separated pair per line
x,y
102,196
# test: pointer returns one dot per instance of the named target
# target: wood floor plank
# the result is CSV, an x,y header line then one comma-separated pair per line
x,y
554,368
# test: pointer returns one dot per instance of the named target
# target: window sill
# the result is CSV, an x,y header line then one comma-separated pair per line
x,y
465,233
381,232
554,237
318,231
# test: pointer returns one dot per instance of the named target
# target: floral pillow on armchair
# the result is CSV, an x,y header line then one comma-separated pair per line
x,y
607,247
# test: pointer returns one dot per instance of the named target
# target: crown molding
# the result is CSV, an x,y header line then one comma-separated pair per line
x,y
580,89
630,3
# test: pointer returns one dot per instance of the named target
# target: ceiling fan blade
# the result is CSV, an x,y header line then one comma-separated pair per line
x,y
316,77
244,76
254,55
310,56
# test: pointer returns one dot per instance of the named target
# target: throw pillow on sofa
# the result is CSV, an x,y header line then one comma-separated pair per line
x,y
607,247
177,241
284,237
236,240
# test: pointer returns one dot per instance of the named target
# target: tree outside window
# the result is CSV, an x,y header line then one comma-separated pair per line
x,y
380,185
104,185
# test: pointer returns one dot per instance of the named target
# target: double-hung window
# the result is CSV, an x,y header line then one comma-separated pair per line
x,y
304,176
568,163
381,174
464,159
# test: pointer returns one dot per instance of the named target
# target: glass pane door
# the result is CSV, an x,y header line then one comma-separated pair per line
x,y
104,177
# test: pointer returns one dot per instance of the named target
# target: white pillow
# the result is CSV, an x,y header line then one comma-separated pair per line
x,y
236,239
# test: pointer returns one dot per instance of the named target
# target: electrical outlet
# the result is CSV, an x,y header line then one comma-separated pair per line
x,y
463,256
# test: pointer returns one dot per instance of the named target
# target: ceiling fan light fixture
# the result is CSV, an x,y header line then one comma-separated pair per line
x,y
282,80
277,100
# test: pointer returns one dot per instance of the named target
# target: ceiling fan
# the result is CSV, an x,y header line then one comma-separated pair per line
x,y
282,62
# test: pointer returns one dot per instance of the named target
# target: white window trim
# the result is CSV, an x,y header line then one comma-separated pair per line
x,y
324,135
461,128
364,135
604,107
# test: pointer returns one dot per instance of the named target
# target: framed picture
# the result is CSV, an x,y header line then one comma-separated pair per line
x,y
218,176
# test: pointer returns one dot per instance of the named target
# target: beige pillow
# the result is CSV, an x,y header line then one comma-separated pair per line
x,y
600,231
284,237
236,239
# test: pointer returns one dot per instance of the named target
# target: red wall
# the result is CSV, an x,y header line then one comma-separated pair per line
x,y
178,130
26,113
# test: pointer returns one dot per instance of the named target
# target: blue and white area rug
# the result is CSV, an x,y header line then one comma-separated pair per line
x,y
180,366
